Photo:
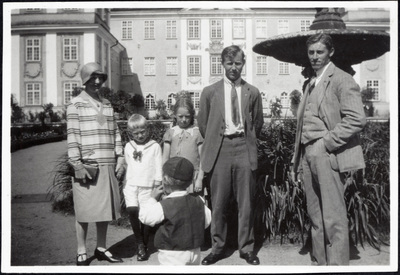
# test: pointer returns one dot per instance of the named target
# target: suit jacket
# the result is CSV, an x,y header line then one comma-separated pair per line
x,y
341,109
211,121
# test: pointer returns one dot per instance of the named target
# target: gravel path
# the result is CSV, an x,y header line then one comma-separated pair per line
x,y
44,239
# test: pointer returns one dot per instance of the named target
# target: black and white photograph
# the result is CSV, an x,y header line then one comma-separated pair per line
x,y
238,136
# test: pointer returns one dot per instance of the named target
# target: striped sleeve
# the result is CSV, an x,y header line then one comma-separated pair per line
x,y
119,150
74,137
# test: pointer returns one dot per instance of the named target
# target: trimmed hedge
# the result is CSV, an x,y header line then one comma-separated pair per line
x,y
28,134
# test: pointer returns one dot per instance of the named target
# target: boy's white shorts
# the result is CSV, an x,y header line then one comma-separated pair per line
x,y
136,195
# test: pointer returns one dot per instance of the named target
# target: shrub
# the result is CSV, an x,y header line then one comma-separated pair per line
x,y
281,203
61,189
17,115
368,193
367,94
161,108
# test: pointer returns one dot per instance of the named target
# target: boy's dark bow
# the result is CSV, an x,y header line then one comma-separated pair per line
x,y
137,154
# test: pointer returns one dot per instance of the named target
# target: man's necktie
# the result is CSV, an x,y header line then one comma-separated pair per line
x,y
235,106
312,84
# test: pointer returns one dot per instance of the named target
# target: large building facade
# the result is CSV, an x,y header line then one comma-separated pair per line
x,y
50,46
179,49
157,52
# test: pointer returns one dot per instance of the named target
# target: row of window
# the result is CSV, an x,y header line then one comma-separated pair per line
x,y
194,66
150,104
216,28
34,95
33,51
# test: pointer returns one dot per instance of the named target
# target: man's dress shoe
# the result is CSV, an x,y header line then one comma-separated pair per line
x,y
250,258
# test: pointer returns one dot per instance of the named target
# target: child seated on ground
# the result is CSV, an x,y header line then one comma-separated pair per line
x,y
183,216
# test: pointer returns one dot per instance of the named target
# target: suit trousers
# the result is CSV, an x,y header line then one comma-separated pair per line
x,y
232,175
324,187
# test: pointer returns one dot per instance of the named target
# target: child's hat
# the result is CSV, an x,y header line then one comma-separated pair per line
x,y
179,168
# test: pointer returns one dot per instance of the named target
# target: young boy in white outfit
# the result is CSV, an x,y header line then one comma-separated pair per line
x,y
143,157
183,216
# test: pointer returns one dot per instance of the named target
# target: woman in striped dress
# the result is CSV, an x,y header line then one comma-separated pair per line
x,y
94,141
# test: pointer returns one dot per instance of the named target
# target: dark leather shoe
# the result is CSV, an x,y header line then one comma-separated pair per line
x,y
106,255
211,259
142,253
84,262
250,258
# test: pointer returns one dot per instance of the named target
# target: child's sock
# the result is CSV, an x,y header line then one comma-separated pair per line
x,y
145,234
135,223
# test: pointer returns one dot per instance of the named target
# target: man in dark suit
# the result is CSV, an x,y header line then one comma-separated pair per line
x,y
230,119
329,118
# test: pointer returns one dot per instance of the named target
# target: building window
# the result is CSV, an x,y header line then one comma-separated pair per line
x,y
33,93
35,10
70,49
70,10
261,28
283,26
33,49
193,29
149,66
68,89
239,29
216,28
216,66
194,65
305,25
171,29
127,66
170,101
374,86
148,29
196,99
285,100
261,65
172,66
283,68
149,102
127,30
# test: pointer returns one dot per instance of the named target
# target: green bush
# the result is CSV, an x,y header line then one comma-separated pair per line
x,y
17,114
281,203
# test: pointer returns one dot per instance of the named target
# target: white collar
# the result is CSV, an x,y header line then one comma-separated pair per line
x,y
179,131
318,78
177,194
237,81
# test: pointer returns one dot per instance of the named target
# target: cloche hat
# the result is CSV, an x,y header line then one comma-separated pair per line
x,y
89,69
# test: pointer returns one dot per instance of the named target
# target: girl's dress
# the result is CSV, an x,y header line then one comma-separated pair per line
x,y
93,137
185,143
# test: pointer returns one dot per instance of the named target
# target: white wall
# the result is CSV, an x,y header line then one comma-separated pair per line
x,y
51,69
89,54
15,68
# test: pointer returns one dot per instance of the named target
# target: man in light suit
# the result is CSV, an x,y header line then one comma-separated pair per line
x,y
230,119
329,118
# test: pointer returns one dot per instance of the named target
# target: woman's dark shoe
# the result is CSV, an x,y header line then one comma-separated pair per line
x,y
79,260
142,253
212,259
107,256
